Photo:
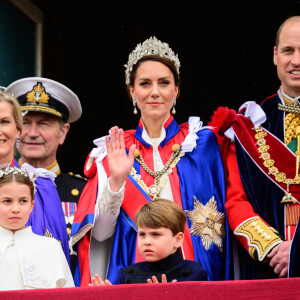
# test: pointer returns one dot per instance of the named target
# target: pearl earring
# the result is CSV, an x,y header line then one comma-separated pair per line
x,y
173,109
134,106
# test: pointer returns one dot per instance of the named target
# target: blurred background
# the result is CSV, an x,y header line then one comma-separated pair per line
x,y
225,49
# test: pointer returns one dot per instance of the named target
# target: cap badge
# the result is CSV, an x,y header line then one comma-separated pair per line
x,y
38,94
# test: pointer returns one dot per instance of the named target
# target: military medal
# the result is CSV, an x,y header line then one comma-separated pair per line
x,y
208,223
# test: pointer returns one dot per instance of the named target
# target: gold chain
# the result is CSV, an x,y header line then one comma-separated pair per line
x,y
270,164
157,174
155,189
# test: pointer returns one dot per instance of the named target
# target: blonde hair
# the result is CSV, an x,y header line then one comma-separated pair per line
x,y
161,213
15,107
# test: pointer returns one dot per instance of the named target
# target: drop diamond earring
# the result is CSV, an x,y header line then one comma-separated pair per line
x,y
134,106
173,109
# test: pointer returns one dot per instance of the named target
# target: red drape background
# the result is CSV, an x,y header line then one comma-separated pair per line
x,y
248,289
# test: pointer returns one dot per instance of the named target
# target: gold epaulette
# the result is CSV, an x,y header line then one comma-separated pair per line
x,y
77,176
261,238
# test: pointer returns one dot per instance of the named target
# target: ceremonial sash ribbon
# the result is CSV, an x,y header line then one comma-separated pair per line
x,y
285,160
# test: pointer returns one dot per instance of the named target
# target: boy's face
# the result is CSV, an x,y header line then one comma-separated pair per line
x,y
158,243
15,205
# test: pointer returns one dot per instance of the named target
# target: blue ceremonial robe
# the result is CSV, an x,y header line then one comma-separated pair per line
x,y
198,174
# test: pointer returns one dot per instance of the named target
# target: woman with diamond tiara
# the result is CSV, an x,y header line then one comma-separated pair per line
x,y
27,260
158,159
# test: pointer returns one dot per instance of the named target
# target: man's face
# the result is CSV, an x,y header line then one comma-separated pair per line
x,y
287,58
40,137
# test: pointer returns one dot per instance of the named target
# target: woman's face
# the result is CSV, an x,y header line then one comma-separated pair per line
x,y
8,132
154,90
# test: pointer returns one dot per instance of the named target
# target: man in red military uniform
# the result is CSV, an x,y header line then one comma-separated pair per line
x,y
263,175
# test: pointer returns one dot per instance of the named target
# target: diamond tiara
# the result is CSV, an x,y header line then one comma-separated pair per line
x,y
15,170
150,47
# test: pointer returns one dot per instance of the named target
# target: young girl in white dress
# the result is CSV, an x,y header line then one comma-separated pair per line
x,y
27,260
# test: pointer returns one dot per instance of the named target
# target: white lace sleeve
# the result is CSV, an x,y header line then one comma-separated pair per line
x,y
107,212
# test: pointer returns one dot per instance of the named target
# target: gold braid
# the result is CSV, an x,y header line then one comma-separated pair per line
x,y
291,122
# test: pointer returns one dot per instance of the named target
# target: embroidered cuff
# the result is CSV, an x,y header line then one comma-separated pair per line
x,y
261,238
110,201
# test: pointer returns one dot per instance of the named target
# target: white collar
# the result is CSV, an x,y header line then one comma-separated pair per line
x,y
154,142
293,99
8,232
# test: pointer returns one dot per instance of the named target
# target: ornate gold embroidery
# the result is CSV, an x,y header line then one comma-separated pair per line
x,y
208,223
38,94
41,108
260,237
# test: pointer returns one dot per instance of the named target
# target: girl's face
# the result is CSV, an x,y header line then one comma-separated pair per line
x,y
8,132
15,205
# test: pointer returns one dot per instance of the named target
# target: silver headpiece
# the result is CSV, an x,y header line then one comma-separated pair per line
x,y
15,170
150,47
